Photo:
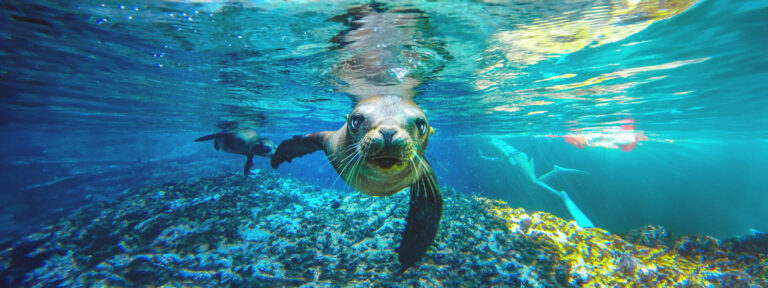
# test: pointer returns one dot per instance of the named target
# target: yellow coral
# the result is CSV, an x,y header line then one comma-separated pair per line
x,y
605,260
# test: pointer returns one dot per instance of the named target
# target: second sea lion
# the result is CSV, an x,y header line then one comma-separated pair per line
x,y
242,141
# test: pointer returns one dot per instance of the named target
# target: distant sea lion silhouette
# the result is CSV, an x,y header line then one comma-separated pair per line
x,y
244,142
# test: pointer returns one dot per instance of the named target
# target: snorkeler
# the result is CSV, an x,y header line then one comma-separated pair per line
x,y
624,137
525,166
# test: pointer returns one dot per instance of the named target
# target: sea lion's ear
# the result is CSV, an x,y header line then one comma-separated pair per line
x,y
432,131
298,146
426,209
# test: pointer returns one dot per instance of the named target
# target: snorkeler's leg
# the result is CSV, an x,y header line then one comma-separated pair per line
x,y
579,216
569,170
503,146
557,169
522,163
547,187
548,175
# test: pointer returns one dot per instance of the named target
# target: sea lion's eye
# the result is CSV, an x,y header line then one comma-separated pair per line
x,y
355,121
422,125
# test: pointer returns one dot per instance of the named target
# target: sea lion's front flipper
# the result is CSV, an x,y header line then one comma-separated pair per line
x,y
248,165
426,208
298,146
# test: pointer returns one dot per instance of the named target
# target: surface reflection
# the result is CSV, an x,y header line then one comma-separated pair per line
x,y
509,80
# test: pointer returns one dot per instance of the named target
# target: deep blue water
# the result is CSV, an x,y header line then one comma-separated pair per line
x,y
100,97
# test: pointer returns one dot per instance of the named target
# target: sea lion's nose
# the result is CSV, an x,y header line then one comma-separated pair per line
x,y
387,134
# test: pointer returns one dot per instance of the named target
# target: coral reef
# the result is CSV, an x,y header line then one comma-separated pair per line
x,y
267,231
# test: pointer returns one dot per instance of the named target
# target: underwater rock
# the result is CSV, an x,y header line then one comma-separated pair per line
x,y
267,231
651,236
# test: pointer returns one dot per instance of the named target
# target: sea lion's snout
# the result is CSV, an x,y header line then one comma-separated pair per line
x,y
387,148
387,134
266,148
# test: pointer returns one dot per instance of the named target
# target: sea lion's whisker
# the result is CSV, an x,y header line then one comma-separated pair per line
x,y
351,165
345,162
351,173
415,168
430,181
421,161
348,157
345,150
361,161
433,185
349,147
344,168
354,171
350,177
413,165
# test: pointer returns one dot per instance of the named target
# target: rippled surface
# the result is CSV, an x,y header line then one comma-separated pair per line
x,y
82,81
524,68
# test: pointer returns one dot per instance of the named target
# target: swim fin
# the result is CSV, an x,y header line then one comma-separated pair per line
x,y
579,216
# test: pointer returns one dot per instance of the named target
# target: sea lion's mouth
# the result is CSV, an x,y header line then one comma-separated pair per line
x,y
386,163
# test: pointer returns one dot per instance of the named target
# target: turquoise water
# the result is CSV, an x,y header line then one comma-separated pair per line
x,y
102,96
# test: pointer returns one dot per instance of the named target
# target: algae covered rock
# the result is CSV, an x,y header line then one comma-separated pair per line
x,y
267,231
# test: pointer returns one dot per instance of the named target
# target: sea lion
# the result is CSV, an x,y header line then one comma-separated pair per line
x,y
380,151
242,141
